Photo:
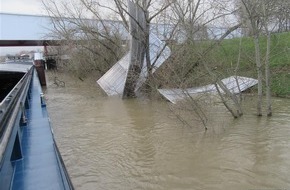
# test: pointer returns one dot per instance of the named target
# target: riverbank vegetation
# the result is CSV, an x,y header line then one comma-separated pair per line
x,y
279,59
226,56
230,37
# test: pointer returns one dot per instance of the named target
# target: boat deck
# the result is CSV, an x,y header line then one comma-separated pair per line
x,y
40,166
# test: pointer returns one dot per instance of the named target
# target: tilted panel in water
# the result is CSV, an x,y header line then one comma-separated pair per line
x,y
234,84
113,81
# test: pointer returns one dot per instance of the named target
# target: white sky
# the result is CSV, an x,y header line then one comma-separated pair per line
x,y
33,7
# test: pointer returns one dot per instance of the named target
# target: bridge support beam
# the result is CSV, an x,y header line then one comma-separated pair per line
x,y
39,65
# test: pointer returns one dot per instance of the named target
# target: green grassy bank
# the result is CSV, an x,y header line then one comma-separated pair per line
x,y
230,49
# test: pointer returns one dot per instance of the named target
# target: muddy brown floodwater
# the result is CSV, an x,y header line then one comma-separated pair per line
x,y
109,143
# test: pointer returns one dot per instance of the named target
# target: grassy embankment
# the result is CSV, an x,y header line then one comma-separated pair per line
x,y
279,59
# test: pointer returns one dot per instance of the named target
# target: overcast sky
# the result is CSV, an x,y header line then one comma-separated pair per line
x,y
21,6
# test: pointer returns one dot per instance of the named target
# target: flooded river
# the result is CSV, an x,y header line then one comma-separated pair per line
x,y
109,143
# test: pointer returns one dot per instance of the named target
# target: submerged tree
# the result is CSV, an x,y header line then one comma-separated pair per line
x,y
141,14
194,18
250,8
260,17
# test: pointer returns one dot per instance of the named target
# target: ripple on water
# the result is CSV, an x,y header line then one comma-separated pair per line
x,y
113,144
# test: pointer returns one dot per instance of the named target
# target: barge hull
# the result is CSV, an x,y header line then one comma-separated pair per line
x,y
31,160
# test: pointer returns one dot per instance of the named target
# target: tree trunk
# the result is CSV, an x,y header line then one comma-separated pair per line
x,y
267,76
220,84
234,114
137,48
260,75
237,70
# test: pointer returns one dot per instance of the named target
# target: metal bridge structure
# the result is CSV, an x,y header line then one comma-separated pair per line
x,y
24,30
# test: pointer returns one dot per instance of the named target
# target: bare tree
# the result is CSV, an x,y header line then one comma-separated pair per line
x,y
251,10
193,17
261,17
141,14
282,15
93,43
266,15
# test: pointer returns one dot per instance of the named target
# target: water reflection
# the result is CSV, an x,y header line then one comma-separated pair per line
x,y
138,144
